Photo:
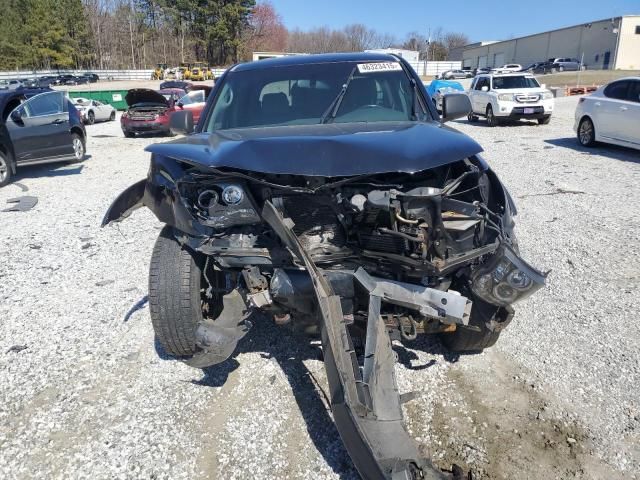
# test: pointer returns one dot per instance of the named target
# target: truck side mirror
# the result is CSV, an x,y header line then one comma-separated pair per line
x,y
455,105
181,122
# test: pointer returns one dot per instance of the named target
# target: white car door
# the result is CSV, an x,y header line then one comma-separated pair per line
x,y
101,110
610,109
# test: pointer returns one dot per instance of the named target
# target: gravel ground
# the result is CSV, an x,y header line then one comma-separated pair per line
x,y
92,396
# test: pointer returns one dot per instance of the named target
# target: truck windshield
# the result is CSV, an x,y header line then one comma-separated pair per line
x,y
302,95
503,83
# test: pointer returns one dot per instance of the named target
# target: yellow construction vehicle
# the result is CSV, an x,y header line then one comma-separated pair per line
x,y
185,71
204,72
159,72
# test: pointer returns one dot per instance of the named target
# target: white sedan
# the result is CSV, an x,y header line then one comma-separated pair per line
x,y
611,114
93,111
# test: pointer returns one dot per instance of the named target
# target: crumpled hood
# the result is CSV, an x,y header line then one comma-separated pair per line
x,y
331,150
136,96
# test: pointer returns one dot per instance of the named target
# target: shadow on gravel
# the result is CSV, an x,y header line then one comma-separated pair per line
x,y
612,151
49,170
289,349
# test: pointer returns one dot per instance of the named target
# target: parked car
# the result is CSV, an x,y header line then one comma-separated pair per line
x,y
509,96
14,84
507,68
533,67
561,64
93,77
449,74
481,70
93,111
437,89
611,114
322,190
149,110
38,126
194,101
186,86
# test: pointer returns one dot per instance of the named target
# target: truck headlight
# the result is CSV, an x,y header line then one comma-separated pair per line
x,y
232,195
506,97
546,95
506,278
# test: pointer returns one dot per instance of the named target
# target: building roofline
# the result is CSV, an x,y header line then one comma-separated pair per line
x,y
488,44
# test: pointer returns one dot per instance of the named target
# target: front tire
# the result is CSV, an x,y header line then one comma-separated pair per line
x,y
492,121
544,120
472,118
174,294
91,118
465,340
5,169
112,117
586,132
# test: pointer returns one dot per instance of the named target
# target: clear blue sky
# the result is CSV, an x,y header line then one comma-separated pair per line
x,y
480,20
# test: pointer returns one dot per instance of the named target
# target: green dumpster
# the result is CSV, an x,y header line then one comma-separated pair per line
x,y
112,97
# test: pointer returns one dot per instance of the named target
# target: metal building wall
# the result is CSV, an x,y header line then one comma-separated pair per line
x,y
596,40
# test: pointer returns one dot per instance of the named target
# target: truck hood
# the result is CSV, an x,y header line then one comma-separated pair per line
x,y
147,96
330,150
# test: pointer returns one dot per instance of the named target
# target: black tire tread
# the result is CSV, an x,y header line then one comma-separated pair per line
x,y
465,340
7,180
174,295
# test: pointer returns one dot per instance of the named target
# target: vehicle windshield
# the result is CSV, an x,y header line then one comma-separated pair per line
x,y
197,96
503,83
302,94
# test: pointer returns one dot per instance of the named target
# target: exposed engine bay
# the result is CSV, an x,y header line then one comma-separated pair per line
x,y
361,260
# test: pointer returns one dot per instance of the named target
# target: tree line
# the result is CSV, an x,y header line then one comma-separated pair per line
x,y
124,34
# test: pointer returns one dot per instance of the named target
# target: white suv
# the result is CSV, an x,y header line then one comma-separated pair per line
x,y
511,96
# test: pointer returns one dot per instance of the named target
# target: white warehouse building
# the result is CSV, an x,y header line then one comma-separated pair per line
x,y
613,43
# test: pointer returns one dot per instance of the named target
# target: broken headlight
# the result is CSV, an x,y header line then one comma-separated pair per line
x,y
223,205
506,278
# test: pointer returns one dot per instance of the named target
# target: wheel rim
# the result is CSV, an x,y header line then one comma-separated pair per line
x,y
92,117
585,132
4,168
78,148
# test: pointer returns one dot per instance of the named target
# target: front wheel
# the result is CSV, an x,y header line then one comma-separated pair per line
x,y
471,117
91,118
5,169
544,120
112,117
174,294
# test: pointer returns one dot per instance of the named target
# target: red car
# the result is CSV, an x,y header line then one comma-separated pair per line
x,y
149,110
195,100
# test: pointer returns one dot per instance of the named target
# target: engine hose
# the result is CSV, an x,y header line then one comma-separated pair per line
x,y
411,238
406,220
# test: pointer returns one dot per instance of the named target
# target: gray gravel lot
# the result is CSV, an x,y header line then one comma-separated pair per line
x,y
92,395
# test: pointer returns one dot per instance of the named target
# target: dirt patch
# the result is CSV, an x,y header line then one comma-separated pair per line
x,y
501,427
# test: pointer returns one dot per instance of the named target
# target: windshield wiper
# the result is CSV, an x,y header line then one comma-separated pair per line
x,y
332,110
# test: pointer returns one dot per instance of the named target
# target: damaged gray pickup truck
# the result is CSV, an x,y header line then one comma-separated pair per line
x,y
325,190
